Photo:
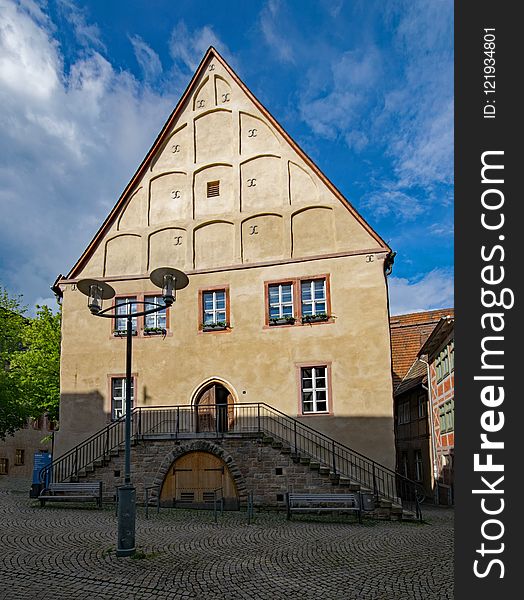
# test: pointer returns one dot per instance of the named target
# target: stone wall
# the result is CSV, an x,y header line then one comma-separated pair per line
x,y
253,465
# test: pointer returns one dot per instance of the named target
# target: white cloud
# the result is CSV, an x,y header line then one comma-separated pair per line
x,y
335,108
69,141
147,58
431,291
273,35
188,47
87,34
386,202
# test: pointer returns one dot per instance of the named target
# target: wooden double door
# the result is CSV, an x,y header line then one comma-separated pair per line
x,y
214,410
193,480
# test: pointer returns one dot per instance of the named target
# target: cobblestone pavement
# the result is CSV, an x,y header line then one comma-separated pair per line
x,y
65,553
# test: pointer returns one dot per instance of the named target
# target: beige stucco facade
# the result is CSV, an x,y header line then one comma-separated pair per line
x,y
275,218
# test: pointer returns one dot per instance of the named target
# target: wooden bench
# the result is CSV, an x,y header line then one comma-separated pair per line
x,y
72,492
321,502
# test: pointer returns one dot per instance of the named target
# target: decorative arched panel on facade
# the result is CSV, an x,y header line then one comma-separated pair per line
x,y
176,151
302,187
263,238
123,255
213,191
214,245
204,96
169,198
214,137
134,215
256,136
222,91
313,231
169,247
261,183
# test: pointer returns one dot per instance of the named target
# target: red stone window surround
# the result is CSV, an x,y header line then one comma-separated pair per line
x,y
296,283
216,308
316,389
141,322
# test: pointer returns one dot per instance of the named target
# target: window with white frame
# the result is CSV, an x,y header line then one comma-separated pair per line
x,y
19,456
281,301
447,416
313,295
4,466
118,397
442,364
214,307
124,307
404,464
403,413
422,403
418,465
158,319
314,389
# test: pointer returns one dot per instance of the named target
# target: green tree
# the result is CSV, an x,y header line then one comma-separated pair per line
x,y
30,364
37,368
13,410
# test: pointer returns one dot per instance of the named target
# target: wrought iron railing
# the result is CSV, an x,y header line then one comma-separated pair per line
x,y
257,418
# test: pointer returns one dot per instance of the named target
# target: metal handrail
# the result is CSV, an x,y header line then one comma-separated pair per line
x,y
255,418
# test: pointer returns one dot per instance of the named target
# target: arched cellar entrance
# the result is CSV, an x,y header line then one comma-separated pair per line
x,y
192,480
214,408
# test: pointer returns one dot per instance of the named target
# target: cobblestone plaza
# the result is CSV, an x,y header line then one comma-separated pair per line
x,y
67,553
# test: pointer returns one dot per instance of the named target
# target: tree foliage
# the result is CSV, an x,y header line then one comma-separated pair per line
x,y
30,364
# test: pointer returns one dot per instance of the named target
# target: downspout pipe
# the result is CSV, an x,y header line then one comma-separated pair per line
x,y
432,431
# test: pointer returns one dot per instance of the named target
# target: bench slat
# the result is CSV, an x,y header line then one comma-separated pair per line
x,y
302,502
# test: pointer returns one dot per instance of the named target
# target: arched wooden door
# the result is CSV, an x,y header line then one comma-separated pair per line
x,y
193,479
214,409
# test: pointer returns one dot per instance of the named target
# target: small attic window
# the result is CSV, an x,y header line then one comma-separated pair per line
x,y
213,189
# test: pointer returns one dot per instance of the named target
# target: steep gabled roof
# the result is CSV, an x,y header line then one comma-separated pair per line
x,y
408,334
212,54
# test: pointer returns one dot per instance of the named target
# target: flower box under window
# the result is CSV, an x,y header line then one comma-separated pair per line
x,y
123,332
154,331
315,318
282,321
218,326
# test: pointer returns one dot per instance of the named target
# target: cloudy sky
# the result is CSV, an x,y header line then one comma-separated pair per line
x,y
364,86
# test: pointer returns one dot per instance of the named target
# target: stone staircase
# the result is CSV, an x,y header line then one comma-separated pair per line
x,y
110,471
303,458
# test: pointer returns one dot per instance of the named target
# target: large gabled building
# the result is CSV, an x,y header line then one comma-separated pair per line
x,y
287,302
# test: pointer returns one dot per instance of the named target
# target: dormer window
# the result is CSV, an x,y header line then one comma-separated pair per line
x,y
213,189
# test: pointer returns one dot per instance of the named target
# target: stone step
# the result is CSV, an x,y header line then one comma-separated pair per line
x,y
383,503
334,477
305,460
267,440
324,470
99,462
90,469
314,466
345,481
277,445
285,450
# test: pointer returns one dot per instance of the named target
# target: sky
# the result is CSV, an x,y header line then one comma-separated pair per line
x,y
365,87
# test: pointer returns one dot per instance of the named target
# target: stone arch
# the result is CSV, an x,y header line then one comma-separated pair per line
x,y
201,386
201,446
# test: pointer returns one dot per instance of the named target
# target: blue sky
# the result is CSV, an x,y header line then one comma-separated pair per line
x,y
365,87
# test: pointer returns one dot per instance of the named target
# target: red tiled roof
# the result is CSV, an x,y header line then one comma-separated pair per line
x,y
408,334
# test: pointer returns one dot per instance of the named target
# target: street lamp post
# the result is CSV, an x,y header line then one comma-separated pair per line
x,y
169,280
